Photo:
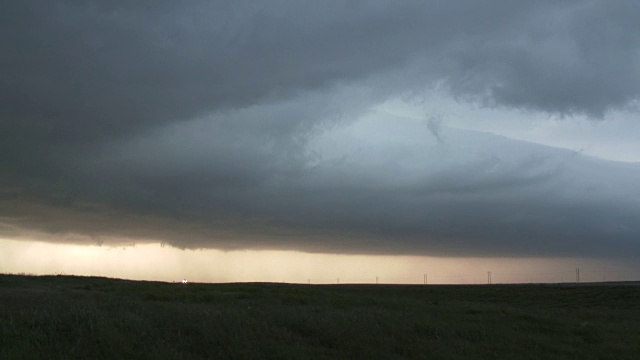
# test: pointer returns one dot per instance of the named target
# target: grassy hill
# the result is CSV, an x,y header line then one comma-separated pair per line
x,y
68,317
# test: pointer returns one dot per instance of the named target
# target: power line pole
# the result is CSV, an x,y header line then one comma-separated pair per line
x,y
489,277
377,280
577,275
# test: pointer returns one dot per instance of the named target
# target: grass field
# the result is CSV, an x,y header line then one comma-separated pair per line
x,y
67,317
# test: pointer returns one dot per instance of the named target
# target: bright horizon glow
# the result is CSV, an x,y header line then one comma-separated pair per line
x,y
151,261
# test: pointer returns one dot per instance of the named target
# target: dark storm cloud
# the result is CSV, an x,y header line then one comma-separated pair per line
x,y
192,121
95,69
577,57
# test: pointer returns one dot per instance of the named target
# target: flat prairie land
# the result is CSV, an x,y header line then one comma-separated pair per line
x,y
71,317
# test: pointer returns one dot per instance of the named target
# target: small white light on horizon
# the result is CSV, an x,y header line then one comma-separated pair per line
x,y
184,281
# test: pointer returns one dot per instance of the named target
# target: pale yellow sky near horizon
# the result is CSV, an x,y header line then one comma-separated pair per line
x,y
151,261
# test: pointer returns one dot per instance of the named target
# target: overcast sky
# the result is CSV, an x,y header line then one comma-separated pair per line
x,y
441,128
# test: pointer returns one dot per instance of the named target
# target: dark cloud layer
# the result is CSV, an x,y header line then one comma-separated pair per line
x,y
193,122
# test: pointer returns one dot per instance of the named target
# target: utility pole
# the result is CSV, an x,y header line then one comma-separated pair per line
x,y
377,280
577,275
489,277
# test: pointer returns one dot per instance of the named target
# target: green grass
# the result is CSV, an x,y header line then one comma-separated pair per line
x,y
67,317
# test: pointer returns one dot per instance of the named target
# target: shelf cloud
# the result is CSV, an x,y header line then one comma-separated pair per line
x,y
236,125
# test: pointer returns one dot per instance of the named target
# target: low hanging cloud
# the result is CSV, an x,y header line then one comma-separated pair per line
x,y
236,124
